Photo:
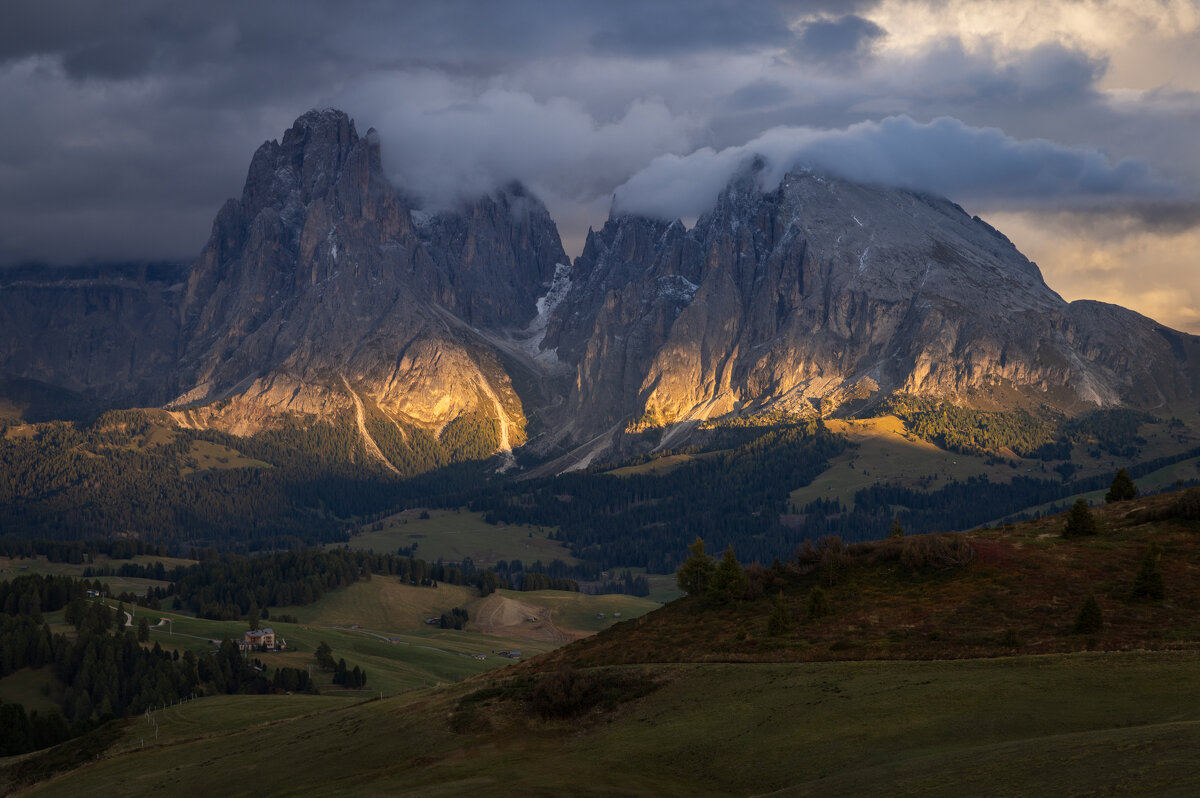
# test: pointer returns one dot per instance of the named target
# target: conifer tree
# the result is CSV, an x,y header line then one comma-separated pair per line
x,y
1122,488
697,571
1148,584
1080,521
324,657
729,581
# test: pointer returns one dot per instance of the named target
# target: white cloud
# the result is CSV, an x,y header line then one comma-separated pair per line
x,y
945,156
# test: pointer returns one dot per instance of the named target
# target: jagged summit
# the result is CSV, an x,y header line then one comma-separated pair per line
x,y
319,278
322,294
823,295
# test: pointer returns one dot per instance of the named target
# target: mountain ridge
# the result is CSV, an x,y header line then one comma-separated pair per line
x,y
817,297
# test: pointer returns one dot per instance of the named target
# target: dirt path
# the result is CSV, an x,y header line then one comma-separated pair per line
x,y
368,442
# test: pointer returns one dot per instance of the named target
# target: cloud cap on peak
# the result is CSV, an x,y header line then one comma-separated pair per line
x,y
944,156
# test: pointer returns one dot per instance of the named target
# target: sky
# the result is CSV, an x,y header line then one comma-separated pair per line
x,y
1073,127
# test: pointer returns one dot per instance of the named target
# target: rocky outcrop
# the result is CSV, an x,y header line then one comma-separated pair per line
x,y
824,295
320,272
323,294
109,332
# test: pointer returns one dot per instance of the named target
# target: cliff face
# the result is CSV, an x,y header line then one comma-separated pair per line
x,y
322,293
319,278
108,332
825,294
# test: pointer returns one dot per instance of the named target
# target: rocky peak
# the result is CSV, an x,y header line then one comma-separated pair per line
x,y
306,164
823,293
493,257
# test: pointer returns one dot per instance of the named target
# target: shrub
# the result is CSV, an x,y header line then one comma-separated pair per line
x,y
569,693
936,551
1187,506
1089,620
818,603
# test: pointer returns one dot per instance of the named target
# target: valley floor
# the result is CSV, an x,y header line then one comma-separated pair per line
x,y
1077,724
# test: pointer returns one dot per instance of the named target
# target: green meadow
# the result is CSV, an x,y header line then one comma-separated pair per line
x,y
453,535
1079,724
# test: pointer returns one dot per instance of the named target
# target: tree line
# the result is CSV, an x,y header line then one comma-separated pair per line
x,y
102,670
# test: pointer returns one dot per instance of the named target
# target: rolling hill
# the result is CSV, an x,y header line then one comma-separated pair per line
x,y
930,675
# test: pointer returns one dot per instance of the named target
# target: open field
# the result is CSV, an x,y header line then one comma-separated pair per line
x,y
887,452
15,566
580,612
451,536
415,660
660,466
11,567
379,626
1119,724
25,687
1163,478
206,455
386,604
383,603
386,607
222,714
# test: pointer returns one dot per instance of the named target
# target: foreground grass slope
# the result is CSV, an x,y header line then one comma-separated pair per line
x,y
1119,723
925,678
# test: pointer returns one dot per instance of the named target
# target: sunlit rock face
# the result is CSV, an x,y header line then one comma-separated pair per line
x,y
323,294
823,295
322,275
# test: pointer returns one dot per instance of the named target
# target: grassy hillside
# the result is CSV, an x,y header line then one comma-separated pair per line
x,y
380,626
1077,724
945,666
1018,592
451,536
885,450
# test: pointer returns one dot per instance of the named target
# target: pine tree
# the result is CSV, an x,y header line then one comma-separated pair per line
x,y
697,571
729,582
143,629
897,531
324,656
1148,584
1122,488
1080,521
1089,620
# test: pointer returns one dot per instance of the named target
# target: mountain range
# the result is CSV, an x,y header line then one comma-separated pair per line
x,y
325,293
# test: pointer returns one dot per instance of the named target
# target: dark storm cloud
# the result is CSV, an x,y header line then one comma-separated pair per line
x,y
138,37
760,94
1046,74
127,123
843,42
